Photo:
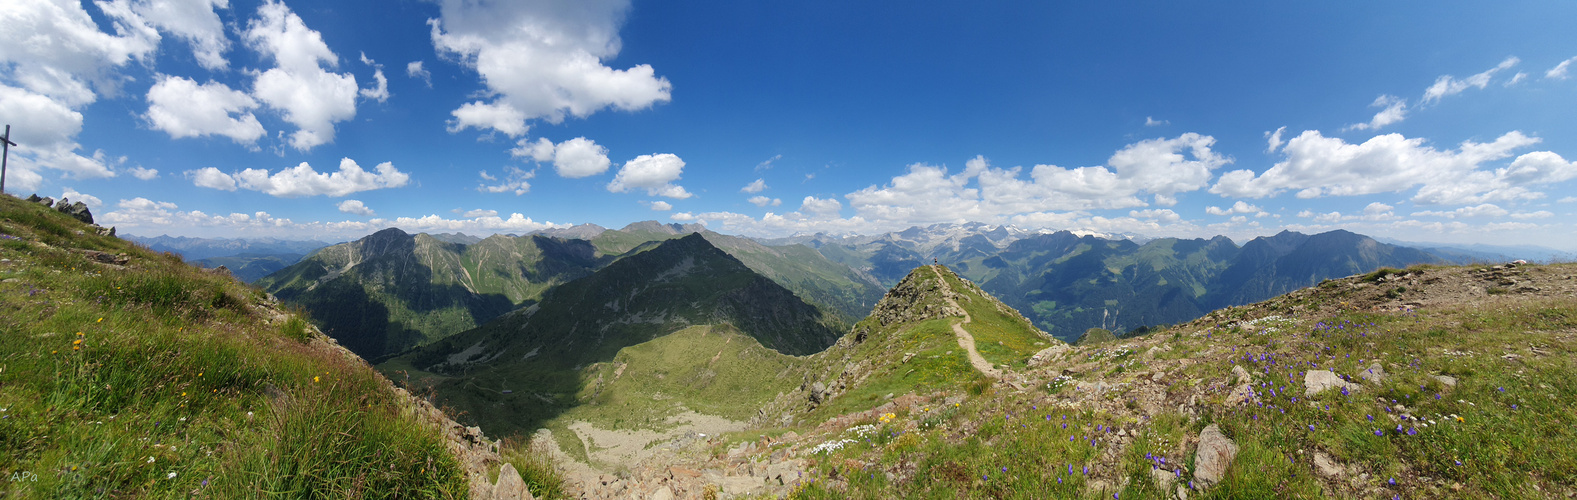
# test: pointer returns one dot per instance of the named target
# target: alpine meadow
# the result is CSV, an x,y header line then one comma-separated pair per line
x,y
617,249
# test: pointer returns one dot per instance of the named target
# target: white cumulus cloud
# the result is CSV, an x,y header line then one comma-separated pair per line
x,y
654,173
183,108
755,187
146,174
54,61
1161,168
303,180
1237,208
308,96
574,158
762,201
820,208
542,60
354,207
193,21
1160,214
1319,166
211,178
662,206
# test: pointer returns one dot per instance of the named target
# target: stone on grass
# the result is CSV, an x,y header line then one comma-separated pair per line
x,y
1214,456
1450,381
1317,381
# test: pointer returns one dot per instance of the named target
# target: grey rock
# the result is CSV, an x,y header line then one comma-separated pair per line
x,y
45,201
818,392
1214,456
1450,381
1375,374
1317,381
510,486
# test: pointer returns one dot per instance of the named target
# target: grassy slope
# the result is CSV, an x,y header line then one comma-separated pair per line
x,y
1513,438
181,384
1001,335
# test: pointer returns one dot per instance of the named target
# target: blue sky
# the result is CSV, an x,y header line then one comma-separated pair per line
x,y
1419,121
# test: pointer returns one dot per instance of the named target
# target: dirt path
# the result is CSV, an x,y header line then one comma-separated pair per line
x,y
965,340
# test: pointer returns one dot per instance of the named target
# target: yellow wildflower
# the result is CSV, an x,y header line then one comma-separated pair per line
x,y
76,342
101,320
316,379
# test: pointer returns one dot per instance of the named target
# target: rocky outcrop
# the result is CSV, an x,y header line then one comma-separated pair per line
x,y
77,210
918,297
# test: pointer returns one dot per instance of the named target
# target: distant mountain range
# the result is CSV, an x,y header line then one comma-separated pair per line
x,y
392,291
193,249
1068,283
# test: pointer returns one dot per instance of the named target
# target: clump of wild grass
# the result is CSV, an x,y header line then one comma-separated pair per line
x,y
159,380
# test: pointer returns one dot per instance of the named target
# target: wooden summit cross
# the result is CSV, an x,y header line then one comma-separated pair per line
x,y
5,155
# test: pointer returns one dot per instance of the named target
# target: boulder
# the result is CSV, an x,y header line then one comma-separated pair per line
x,y
1317,381
1448,380
1214,456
